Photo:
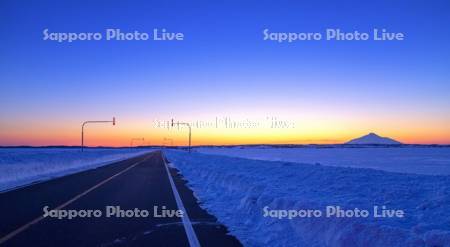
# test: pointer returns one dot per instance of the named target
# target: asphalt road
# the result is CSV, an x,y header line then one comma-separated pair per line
x,y
140,182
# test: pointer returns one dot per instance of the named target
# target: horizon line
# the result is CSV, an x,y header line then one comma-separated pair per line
x,y
222,145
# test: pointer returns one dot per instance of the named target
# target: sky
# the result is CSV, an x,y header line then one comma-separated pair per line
x,y
324,91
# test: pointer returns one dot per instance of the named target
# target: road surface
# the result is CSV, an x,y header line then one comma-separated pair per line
x,y
141,182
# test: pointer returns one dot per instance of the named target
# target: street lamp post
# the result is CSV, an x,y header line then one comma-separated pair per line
x,y
87,122
187,124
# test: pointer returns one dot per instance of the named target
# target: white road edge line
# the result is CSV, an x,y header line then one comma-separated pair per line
x,y
24,227
190,233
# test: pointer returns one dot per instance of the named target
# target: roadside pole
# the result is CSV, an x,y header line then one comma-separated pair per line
x,y
186,124
88,122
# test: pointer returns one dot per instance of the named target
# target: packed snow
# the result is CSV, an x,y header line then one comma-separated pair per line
x,y
406,159
240,192
21,166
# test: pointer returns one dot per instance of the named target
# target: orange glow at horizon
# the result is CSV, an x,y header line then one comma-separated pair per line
x,y
312,132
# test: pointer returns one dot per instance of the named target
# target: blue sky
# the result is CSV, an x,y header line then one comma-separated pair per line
x,y
223,66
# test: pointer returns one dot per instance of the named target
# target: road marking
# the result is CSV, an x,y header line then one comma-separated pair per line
x,y
26,226
190,233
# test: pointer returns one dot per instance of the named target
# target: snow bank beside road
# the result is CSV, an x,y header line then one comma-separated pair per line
x,y
236,191
21,166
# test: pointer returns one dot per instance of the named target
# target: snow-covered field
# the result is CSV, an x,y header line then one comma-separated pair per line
x,y
237,191
21,166
420,160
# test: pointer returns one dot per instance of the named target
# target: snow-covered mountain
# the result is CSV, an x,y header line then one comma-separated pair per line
x,y
373,138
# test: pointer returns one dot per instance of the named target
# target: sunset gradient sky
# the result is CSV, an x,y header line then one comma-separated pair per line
x,y
332,91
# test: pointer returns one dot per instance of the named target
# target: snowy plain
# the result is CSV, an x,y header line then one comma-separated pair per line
x,y
22,166
237,190
406,159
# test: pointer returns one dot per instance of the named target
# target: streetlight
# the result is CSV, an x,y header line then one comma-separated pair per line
x,y
86,122
136,139
187,124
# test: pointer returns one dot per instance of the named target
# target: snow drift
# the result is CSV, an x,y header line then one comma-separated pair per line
x,y
21,166
237,190
407,159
